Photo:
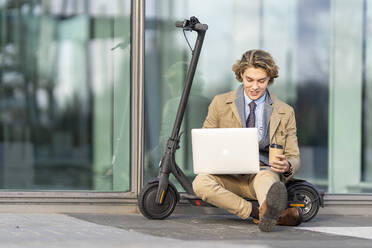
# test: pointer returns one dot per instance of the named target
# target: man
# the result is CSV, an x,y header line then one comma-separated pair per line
x,y
253,105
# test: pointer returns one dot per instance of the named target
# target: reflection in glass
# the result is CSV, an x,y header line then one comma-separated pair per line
x,y
64,95
297,38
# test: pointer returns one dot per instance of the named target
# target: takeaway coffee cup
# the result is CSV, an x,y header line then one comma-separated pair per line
x,y
275,149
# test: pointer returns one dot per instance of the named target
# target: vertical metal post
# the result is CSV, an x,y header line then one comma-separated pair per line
x,y
137,93
364,94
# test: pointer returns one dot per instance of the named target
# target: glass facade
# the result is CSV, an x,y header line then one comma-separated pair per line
x,y
65,95
65,86
310,41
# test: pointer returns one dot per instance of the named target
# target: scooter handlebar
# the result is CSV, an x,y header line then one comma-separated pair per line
x,y
201,27
179,24
196,27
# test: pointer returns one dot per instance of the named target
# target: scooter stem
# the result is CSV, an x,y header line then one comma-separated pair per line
x,y
168,164
188,83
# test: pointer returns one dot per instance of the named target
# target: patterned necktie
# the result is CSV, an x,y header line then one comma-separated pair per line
x,y
252,117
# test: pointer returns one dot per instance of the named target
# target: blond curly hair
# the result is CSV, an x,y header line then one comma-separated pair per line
x,y
257,59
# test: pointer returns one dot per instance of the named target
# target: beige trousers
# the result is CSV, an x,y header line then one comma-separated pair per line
x,y
227,191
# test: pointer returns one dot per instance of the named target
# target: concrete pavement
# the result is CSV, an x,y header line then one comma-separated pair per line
x,y
179,230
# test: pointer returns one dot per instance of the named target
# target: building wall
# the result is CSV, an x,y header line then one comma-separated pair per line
x,y
65,83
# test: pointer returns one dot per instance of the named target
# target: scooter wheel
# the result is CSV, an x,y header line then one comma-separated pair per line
x,y
308,196
150,209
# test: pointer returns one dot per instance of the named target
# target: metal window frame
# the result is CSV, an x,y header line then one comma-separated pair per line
x,y
137,94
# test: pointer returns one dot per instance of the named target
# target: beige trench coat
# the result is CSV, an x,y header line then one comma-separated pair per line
x,y
223,113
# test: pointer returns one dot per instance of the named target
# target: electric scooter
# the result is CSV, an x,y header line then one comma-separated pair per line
x,y
159,197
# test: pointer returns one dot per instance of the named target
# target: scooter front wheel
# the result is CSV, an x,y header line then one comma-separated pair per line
x,y
150,209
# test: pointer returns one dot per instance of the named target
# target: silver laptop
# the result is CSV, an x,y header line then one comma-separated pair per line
x,y
225,150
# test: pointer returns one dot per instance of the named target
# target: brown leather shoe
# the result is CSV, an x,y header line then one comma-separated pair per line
x,y
272,207
290,217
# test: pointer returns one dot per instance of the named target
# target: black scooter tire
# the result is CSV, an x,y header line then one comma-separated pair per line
x,y
152,210
307,195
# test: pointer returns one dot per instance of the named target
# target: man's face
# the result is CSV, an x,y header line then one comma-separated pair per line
x,y
255,82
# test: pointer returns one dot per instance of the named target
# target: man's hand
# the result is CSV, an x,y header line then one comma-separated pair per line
x,y
281,165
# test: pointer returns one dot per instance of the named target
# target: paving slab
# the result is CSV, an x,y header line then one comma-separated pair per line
x,y
178,230
322,231
61,231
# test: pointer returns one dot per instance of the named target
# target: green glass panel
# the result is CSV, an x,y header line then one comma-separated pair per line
x,y
64,90
296,33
